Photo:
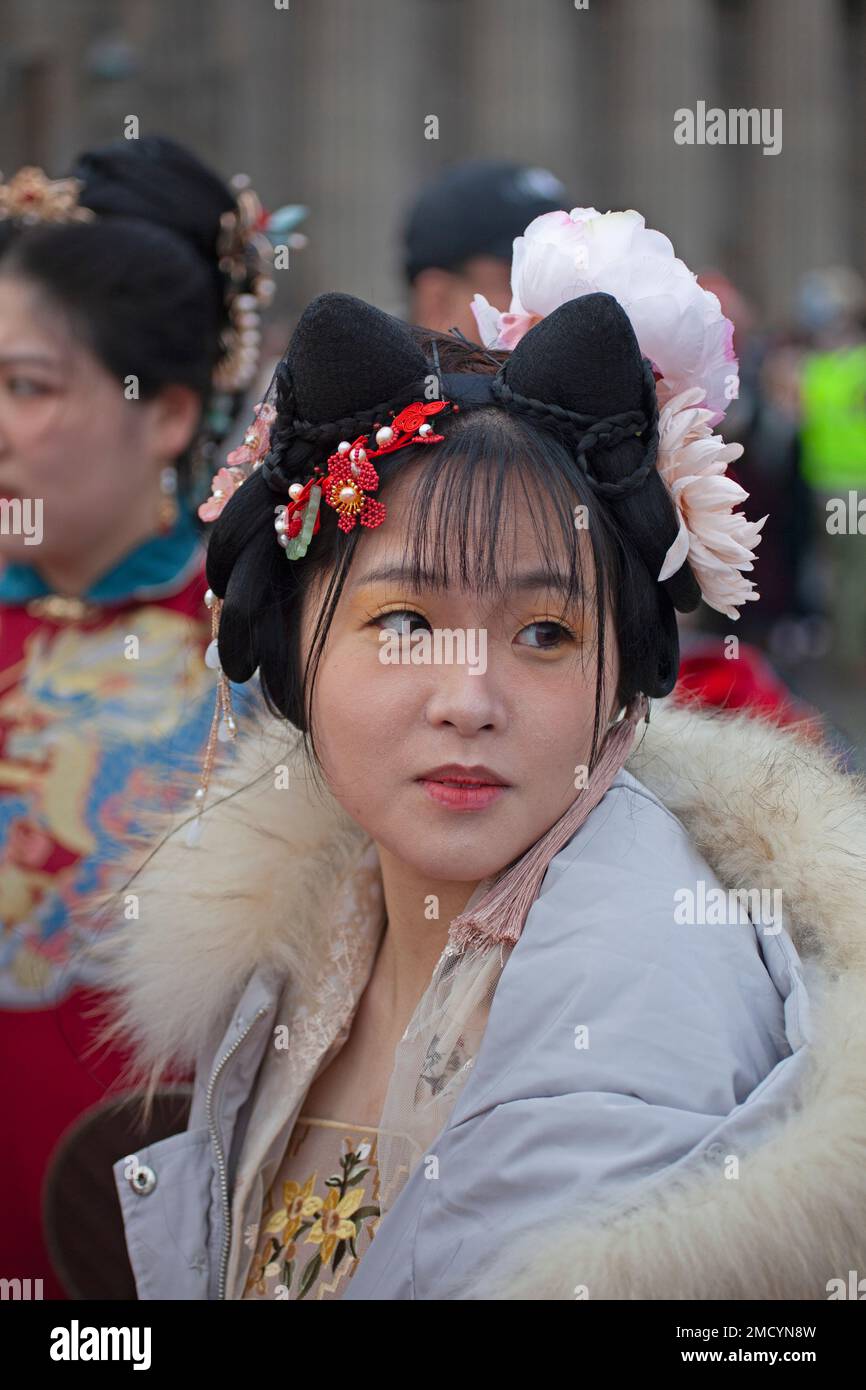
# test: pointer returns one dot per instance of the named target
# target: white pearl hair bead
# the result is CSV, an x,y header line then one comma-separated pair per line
x,y
384,435
296,489
212,656
343,447
426,429
209,598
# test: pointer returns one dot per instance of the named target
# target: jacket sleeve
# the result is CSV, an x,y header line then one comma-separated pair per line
x,y
618,1044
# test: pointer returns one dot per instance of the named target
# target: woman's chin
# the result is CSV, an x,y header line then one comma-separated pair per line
x,y
460,853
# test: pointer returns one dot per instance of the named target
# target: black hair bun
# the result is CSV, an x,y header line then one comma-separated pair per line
x,y
346,365
583,356
159,181
347,357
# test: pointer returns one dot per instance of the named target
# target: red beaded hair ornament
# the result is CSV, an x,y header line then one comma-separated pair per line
x,y
350,479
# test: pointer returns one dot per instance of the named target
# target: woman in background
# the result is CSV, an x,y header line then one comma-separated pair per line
x,y
129,298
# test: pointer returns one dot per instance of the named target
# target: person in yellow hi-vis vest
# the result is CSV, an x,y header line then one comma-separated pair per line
x,y
834,464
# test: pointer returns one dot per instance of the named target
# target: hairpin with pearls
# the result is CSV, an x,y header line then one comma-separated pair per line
x,y
350,478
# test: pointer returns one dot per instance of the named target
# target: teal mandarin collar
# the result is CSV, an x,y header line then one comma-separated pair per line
x,y
159,564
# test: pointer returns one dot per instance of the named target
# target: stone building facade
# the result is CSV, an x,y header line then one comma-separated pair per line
x,y
328,102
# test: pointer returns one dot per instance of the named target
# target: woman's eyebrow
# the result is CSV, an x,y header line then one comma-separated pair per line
x,y
42,358
400,574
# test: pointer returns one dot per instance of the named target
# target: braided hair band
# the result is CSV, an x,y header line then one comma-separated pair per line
x,y
348,477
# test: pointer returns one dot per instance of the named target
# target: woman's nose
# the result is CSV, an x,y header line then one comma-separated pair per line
x,y
466,696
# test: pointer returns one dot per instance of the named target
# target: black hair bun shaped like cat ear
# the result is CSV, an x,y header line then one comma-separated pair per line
x,y
583,356
346,357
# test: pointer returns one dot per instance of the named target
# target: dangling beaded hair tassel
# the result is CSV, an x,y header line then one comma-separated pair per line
x,y
223,725
500,914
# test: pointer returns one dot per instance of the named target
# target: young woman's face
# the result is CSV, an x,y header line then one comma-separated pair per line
x,y
528,717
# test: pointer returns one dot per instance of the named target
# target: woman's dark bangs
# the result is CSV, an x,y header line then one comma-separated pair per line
x,y
461,526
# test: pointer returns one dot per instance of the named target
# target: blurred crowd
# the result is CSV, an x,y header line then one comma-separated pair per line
x,y
801,417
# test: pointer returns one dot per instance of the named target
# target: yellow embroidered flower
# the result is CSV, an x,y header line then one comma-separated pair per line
x,y
297,1204
333,1223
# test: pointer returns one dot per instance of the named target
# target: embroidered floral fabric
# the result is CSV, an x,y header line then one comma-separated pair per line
x,y
433,1061
87,738
320,1215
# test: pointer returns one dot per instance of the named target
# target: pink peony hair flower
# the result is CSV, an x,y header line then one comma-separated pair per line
x,y
679,325
224,485
241,462
257,439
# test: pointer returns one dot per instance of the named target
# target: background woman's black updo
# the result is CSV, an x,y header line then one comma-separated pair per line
x,y
347,364
141,281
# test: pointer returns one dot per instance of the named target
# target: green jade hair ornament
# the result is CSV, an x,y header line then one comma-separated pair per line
x,y
296,546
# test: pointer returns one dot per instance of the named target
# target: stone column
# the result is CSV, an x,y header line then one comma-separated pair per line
x,y
797,201
532,71
662,57
336,121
